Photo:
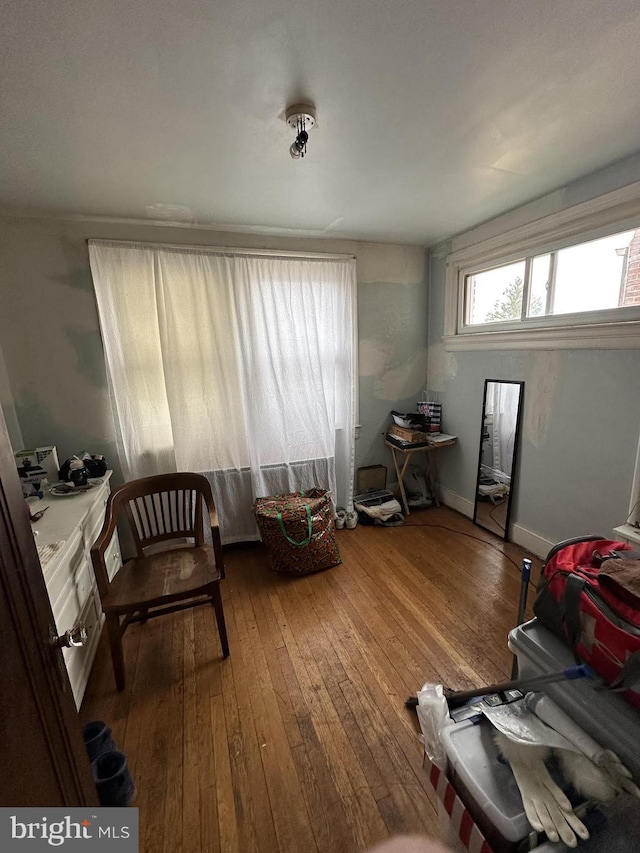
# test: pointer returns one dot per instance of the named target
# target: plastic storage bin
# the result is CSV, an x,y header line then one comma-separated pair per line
x,y
485,784
482,801
606,716
458,830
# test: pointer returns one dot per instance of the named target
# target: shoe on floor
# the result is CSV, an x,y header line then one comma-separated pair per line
x,y
341,517
114,783
97,739
351,519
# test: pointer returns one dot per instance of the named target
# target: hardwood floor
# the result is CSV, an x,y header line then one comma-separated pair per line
x,y
300,740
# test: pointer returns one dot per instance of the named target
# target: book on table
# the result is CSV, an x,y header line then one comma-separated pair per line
x,y
440,440
443,438
408,434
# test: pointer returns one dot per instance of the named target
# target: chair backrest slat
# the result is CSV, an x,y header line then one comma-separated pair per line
x,y
163,501
153,500
181,509
141,513
174,509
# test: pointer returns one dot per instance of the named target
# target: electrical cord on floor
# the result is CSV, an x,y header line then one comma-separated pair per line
x,y
412,701
491,511
469,536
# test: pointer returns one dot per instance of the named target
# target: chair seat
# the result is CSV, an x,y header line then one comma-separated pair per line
x,y
159,578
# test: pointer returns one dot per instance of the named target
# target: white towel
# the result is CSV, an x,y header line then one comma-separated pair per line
x,y
383,511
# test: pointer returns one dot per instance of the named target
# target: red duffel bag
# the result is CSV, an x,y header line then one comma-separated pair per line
x,y
589,596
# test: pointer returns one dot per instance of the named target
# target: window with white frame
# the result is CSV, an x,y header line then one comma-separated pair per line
x,y
592,276
571,279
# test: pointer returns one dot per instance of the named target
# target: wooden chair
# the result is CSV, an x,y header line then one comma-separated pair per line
x,y
161,509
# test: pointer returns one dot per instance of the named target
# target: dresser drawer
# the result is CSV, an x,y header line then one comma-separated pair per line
x,y
95,516
71,569
78,660
74,596
112,556
92,524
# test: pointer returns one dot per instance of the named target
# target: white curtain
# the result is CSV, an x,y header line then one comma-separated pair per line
x,y
505,402
240,366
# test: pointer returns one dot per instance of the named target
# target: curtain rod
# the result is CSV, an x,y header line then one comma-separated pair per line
x,y
223,250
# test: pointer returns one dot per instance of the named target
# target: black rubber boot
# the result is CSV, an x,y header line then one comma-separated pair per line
x,y
97,739
113,780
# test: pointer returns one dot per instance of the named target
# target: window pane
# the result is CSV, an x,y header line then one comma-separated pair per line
x,y
495,295
540,268
589,277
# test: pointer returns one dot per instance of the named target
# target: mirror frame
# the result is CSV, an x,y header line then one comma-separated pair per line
x,y
516,445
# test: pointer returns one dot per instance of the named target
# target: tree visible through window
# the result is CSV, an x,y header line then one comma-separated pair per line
x,y
509,307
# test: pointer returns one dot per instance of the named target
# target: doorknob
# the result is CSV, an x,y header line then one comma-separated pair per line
x,y
76,636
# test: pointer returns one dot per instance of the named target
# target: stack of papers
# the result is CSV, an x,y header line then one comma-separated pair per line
x,y
442,438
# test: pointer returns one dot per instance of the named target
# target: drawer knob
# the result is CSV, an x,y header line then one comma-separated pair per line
x,y
76,636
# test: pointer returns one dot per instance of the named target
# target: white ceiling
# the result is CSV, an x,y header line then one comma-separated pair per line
x,y
433,115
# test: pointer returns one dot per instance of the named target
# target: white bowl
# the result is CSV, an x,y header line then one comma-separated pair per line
x,y
403,422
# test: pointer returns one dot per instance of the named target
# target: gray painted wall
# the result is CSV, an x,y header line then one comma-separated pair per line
x,y
8,407
581,410
55,374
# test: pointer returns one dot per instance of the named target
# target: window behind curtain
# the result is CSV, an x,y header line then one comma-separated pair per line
x,y
239,366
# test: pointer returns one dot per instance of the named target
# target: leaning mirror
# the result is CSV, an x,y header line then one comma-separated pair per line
x,y
499,436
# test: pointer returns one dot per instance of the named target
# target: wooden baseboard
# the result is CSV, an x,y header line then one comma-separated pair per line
x,y
527,539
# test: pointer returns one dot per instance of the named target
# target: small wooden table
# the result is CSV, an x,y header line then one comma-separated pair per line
x,y
430,473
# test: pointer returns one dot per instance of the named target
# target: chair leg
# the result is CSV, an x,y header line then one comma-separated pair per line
x,y
219,556
115,644
216,600
143,614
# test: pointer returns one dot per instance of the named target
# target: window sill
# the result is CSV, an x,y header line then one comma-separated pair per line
x,y
597,336
628,532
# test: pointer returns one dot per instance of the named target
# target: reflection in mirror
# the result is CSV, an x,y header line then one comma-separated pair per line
x,y
499,434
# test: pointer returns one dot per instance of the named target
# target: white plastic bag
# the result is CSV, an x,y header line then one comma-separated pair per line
x,y
433,715
522,726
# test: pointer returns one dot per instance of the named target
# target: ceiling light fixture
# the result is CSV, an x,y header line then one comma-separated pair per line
x,y
301,117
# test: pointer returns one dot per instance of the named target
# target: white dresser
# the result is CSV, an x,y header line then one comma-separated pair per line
x,y
65,535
